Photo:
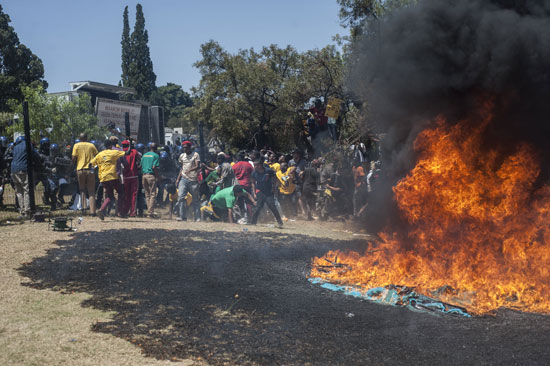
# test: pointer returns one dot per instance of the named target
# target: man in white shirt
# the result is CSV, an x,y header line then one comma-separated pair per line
x,y
188,181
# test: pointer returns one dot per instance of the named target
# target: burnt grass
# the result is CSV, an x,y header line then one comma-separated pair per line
x,y
243,299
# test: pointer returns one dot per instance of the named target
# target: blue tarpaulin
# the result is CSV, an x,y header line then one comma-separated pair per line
x,y
396,296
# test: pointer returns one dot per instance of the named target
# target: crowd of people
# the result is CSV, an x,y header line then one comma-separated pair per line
x,y
128,179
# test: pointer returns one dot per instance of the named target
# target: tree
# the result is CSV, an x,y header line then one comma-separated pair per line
x,y
126,48
256,98
140,71
19,67
174,100
55,117
354,13
324,73
248,97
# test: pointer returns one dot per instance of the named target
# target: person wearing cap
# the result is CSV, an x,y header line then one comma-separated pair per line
x,y
82,156
106,161
187,180
149,168
130,174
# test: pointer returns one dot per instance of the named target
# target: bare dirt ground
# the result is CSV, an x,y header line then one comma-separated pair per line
x,y
138,291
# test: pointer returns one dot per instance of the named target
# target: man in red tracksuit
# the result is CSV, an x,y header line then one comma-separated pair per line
x,y
131,180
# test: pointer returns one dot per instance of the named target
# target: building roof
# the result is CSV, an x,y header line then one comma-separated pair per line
x,y
94,85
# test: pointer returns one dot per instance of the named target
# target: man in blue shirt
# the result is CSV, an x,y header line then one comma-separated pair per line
x,y
19,175
263,190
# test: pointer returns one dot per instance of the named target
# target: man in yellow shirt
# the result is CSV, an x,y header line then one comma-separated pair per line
x,y
287,188
273,163
106,162
83,153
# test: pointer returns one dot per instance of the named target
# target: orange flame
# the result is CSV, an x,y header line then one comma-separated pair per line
x,y
480,230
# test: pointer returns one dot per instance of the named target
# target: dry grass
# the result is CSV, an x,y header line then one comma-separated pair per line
x,y
50,327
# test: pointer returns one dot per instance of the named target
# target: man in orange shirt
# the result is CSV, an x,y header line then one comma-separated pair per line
x,y
83,153
106,161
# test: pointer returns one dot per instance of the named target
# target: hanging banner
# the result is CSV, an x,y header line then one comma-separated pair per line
x,y
333,108
111,112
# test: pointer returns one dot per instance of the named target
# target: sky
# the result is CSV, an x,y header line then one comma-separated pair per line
x,y
79,40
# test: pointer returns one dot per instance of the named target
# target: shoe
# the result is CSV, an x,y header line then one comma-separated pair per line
x,y
181,219
101,215
198,220
280,226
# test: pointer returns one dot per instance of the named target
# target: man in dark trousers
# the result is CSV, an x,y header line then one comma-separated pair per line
x,y
131,179
263,191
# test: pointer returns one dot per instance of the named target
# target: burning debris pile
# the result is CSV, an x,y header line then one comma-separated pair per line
x,y
462,90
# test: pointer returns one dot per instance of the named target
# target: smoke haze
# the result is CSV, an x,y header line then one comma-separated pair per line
x,y
444,57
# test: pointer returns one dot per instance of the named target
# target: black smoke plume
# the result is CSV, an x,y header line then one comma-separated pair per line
x,y
442,57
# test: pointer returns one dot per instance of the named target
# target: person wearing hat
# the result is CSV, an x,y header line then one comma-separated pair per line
x,y
130,174
188,180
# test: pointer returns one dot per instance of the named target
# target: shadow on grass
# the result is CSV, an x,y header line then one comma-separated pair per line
x,y
243,298
223,297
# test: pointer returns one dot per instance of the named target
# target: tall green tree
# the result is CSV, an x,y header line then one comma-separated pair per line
x,y
126,48
140,72
19,67
174,100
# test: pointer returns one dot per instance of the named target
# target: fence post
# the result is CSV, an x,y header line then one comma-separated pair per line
x,y
30,154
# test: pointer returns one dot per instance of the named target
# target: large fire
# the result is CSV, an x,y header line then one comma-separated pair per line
x,y
479,228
